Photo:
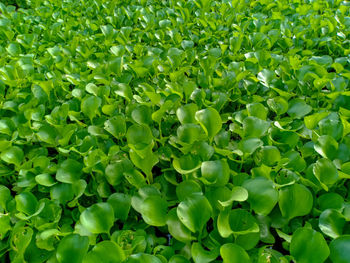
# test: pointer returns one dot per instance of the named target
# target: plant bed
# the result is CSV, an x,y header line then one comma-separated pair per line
x,y
175,131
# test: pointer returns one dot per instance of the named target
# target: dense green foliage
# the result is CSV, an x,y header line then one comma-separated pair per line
x,y
16,3
146,131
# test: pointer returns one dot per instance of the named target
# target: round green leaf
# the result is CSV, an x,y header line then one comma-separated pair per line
x,y
201,255
6,126
295,200
298,108
5,225
326,172
262,195
140,136
98,218
326,146
116,126
142,258
90,105
92,89
62,192
331,223
248,241
330,200
176,228
26,202
47,134
308,246
340,248
284,139
45,179
5,195
72,249
254,127
215,172
311,121
222,139
154,210
188,132
186,163
187,188
278,105
194,212
105,251
69,171
210,120
186,113
146,162
269,155
14,49
232,253
222,196
295,161
332,126
258,110
178,259
239,194
114,172
121,204
13,155
142,114
249,145
242,222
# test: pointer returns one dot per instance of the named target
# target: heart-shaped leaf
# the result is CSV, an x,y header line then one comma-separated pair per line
x,y
210,120
72,248
262,195
331,223
339,248
13,155
194,212
98,218
101,252
326,172
295,200
232,253
306,243
69,171
215,172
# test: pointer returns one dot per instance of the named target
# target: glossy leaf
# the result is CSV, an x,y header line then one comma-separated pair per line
x,y
69,171
105,251
331,223
121,204
254,127
233,253
72,248
298,108
210,121
306,243
326,172
142,258
194,212
215,172
26,202
242,222
295,200
339,248
98,218
262,195
13,155
176,228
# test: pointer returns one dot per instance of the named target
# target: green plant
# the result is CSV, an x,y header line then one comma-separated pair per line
x,y
175,131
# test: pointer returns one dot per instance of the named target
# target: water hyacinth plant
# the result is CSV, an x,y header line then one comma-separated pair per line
x,y
155,131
